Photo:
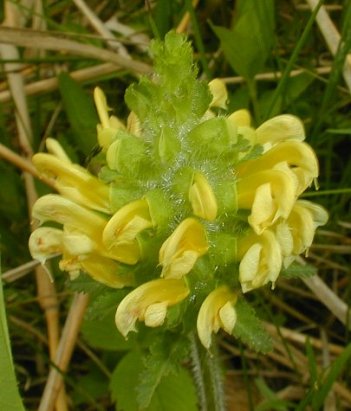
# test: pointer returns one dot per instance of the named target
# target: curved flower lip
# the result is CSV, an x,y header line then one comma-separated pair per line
x,y
149,303
74,182
45,242
269,194
280,128
119,235
303,221
53,207
179,253
298,155
261,260
219,93
217,311
202,198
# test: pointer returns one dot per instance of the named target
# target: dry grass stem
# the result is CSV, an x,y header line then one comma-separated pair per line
x,y
327,297
332,37
100,27
51,84
42,40
64,351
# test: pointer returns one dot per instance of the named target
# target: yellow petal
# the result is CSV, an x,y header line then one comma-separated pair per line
x,y
240,118
119,236
303,221
77,243
45,242
148,302
55,148
217,311
127,223
202,198
269,194
53,207
280,128
299,156
219,93
74,182
179,253
106,271
102,107
261,260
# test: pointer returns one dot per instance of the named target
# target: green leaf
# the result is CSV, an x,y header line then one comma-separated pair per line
x,y
102,333
250,329
296,270
80,112
123,382
176,392
10,399
166,353
247,45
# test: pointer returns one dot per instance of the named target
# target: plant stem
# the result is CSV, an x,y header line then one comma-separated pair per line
x,y
207,375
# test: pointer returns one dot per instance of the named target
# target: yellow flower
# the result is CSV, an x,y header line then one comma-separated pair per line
x,y
202,198
299,157
107,130
149,303
119,235
79,253
303,221
53,207
261,260
179,253
270,194
217,311
72,180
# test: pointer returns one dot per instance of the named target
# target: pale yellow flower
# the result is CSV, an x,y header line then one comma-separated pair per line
x,y
119,235
181,250
72,180
269,194
217,311
149,303
299,157
53,207
202,198
303,221
261,260
79,253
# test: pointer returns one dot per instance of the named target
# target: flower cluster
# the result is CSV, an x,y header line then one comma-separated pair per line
x,y
193,206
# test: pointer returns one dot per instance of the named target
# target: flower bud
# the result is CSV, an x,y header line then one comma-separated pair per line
x,y
202,198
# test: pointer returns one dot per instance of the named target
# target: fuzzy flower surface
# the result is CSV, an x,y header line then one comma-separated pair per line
x,y
192,208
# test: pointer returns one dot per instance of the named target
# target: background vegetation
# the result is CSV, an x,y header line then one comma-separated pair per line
x,y
276,57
